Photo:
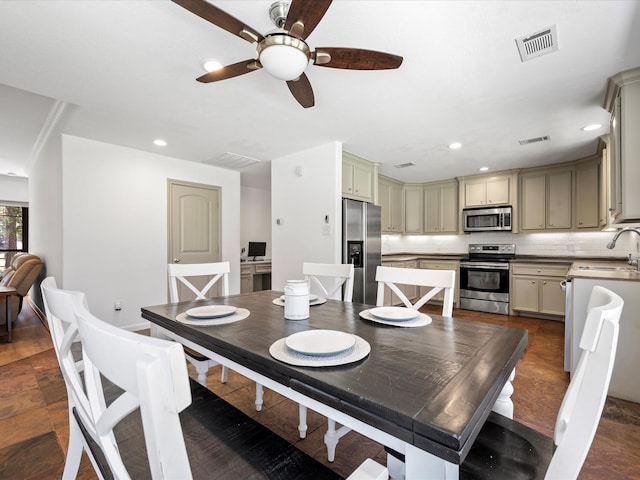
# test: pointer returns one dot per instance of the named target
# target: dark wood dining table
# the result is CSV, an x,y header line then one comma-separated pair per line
x,y
424,392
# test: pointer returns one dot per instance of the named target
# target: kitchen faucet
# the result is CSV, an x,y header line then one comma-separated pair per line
x,y
613,241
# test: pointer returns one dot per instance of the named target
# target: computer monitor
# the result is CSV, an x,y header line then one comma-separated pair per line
x,y
257,249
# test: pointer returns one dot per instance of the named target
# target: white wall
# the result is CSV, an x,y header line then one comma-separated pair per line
x,y
14,190
301,201
581,244
45,202
114,204
255,217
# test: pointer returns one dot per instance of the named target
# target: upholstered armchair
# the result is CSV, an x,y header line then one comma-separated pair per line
x,y
21,274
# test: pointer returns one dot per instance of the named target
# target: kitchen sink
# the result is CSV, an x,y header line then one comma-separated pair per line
x,y
611,269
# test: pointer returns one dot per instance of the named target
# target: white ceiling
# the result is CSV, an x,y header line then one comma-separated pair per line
x,y
129,69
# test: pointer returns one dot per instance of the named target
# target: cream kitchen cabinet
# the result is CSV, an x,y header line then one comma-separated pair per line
x,y
390,199
411,291
536,288
546,200
413,205
623,101
442,265
483,191
441,207
358,178
588,195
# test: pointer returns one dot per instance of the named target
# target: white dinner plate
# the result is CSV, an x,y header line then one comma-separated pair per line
x,y
397,314
320,343
312,297
211,311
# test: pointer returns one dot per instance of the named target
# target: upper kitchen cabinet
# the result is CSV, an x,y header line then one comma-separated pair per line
x,y
441,207
413,204
623,101
481,191
546,199
390,199
588,195
359,178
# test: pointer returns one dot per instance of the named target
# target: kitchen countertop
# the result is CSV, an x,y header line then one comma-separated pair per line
x,y
604,266
407,257
630,273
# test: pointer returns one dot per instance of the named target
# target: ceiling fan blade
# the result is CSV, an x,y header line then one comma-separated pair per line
x,y
221,19
304,16
355,59
230,71
302,91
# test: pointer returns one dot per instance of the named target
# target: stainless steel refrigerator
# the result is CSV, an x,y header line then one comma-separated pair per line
x,y
361,244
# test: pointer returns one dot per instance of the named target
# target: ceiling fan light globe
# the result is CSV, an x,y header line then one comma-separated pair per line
x,y
283,56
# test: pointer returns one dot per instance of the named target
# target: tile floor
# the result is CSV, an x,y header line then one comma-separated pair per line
x,y
34,423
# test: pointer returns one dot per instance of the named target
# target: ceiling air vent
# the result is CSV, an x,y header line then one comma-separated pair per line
x,y
534,140
405,165
538,43
232,161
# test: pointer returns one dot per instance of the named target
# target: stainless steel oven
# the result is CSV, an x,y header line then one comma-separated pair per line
x,y
484,278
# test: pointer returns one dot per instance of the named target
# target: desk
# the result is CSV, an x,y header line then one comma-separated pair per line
x,y
255,276
6,292
424,392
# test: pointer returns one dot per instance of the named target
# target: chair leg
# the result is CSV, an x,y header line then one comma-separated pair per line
x,y
302,426
224,375
259,397
74,450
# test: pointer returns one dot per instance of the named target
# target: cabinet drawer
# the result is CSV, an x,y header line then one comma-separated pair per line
x,y
246,269
434,265
263,268
540,269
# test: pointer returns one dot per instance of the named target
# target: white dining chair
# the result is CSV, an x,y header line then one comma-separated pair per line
x,y
185,273
391,277
505,448
438,280
328,278
63,328
173,427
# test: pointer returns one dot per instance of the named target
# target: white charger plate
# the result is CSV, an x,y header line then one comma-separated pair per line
x,y
420,321
211,311
397,314
320,343
282,353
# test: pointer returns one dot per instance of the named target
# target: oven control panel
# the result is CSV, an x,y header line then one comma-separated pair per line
x,y
493,249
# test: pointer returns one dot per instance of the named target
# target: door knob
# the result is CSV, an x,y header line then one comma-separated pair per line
x,y
176,260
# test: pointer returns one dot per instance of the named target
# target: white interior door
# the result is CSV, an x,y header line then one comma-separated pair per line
x,y
194,228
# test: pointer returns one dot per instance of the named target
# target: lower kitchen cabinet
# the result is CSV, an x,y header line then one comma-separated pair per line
x,y
411,291
442,265
536,288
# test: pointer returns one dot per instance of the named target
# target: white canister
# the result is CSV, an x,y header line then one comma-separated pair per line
x,y
296,299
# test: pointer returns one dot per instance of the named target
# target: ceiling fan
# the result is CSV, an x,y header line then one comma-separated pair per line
x,y
284,52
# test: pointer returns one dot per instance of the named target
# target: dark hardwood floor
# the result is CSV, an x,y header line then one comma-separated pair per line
x,y
34,424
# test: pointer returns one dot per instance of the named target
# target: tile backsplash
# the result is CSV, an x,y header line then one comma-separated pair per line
x,y
579,244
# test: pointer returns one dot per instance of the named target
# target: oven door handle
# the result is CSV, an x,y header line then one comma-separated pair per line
x,y
484,266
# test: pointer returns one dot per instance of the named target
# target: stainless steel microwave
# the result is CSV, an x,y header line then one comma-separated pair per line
x,y
487,219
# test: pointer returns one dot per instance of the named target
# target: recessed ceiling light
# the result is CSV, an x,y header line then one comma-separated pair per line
x,y
212,65
455,145
159,142
483,169
589,128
